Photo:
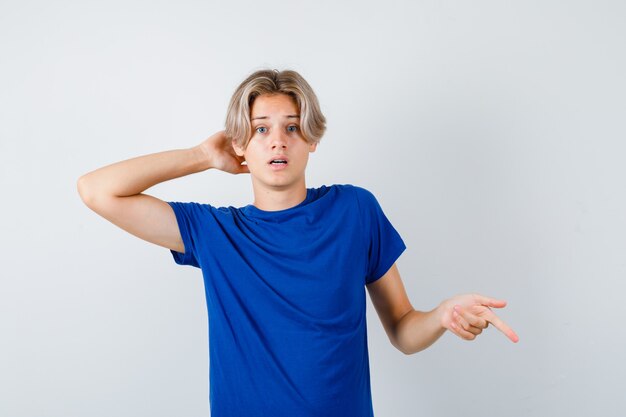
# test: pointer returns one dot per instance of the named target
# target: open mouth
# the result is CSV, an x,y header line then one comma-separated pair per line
x,y
278,160
278,163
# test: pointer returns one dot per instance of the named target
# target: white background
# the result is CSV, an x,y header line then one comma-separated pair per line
x,y
491,132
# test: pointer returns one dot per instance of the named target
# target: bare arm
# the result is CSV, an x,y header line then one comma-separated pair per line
x,y
133,176
411,331
115,191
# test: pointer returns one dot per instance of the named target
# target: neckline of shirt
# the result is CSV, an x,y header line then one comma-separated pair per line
x,y
251,210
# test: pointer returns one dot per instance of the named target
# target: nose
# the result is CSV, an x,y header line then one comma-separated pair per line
x,y
278,140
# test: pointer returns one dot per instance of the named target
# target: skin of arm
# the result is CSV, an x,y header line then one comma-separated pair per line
x,y
133,176
116,191
411,331
397,314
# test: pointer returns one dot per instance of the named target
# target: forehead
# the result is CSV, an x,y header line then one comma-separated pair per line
x,y
273,105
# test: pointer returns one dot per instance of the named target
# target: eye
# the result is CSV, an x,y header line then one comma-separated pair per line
x,y
294,126
260,127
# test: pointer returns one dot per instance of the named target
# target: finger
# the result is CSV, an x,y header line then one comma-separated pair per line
x,y
461,321
243,168
463,334
502,326
490,302
472,319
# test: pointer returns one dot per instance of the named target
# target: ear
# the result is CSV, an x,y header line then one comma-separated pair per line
x,y
237,148
312,147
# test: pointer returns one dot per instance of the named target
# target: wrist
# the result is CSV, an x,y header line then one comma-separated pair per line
x,y
440,313
202,156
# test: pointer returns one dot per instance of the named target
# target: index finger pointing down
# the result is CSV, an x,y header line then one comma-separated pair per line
x,y
502,326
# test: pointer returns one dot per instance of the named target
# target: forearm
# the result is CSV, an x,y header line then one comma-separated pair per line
x,y
417,330
135,175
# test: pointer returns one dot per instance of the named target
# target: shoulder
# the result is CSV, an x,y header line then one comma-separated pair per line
x,y
188,206
200,210
363,198
344,191
350,189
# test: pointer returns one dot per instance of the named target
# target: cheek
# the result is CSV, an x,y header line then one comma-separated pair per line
x,y
253,159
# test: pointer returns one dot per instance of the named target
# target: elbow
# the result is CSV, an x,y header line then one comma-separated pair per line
x,y
396,342
82,188
86,190
398,336
405,351
408,353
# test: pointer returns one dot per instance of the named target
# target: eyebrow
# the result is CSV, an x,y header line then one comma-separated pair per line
x,y
289,116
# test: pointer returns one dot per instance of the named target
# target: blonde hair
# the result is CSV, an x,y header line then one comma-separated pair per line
x,y
266,81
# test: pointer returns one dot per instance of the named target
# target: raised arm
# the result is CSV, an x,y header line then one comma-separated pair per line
x,y
115,191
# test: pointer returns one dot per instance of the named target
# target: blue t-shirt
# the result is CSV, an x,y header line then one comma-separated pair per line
x,y
285,293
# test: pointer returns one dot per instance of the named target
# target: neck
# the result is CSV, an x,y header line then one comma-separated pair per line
x,y
274,199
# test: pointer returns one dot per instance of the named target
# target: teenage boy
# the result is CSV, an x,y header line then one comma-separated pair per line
x,y
285,276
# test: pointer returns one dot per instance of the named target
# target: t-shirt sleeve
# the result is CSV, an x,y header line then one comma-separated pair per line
x,y
187,216
385,245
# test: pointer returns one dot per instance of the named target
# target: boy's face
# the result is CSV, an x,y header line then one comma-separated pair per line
x,y
276,135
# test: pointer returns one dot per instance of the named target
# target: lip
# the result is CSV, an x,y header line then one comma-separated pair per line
x,y
278,157
278,167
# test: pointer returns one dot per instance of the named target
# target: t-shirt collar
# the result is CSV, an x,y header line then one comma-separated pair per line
x,y
253,211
